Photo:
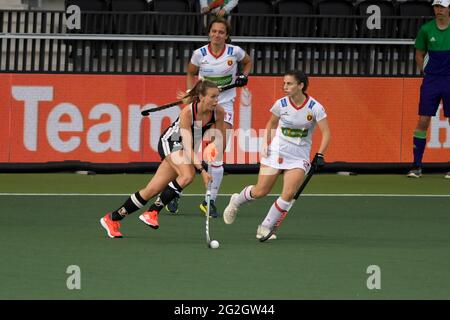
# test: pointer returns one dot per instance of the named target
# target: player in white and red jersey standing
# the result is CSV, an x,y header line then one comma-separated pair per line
x,y
218,62
286,149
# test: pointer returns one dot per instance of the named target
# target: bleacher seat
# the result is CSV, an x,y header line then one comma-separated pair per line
x,y
387,11
413,13
336,26
415,8
130,23
293,26
335,7
130,18
171,5
298,7
254,25
255,6
130,5
91,23
386,7
173,24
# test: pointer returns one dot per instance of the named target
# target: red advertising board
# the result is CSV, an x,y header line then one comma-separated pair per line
x,y
96,118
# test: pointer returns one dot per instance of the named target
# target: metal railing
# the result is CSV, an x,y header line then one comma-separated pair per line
x,y
72,53
150,43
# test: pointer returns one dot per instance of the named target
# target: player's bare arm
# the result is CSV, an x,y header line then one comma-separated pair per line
x,y
186,135
271,125
246,65
420,56
326,135
192,71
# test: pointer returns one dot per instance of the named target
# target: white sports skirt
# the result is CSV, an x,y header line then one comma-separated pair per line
x,y
228,107
286,155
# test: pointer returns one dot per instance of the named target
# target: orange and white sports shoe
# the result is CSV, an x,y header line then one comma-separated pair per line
x,y
150,219
111,227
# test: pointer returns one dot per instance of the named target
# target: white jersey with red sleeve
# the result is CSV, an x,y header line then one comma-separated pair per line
x,y
297,123
220,68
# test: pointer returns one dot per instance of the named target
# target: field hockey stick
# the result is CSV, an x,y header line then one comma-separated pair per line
x,y
208,200
146,112
284,214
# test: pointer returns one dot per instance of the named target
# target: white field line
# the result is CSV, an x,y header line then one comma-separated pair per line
x,y
229,194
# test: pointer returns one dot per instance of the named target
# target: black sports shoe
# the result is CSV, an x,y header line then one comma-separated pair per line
x,y
212,208
172,206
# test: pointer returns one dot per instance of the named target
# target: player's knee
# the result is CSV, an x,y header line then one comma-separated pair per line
x,y
186,178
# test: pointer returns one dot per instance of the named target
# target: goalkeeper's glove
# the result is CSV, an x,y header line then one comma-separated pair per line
x,y
318,161
241,80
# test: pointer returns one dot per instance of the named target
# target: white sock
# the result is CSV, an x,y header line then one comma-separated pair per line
x,y
245,195
275,212
217,175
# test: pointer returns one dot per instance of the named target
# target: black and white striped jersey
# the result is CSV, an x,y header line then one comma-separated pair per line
x,y
171,140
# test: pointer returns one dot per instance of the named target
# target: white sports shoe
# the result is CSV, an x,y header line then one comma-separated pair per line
x,y
414,173
229,214
263,231
447,176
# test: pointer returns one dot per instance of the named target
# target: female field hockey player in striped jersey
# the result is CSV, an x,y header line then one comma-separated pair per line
x,y
286,149
217,61
179,160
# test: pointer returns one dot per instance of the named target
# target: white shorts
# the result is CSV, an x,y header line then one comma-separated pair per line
x,y
286,155
228,107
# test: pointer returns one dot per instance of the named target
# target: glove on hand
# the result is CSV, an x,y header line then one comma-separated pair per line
x,y
241,80
318,161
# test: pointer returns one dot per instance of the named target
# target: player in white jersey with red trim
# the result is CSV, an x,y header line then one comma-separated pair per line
x,y
220,68
218,61
287,149
291,145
